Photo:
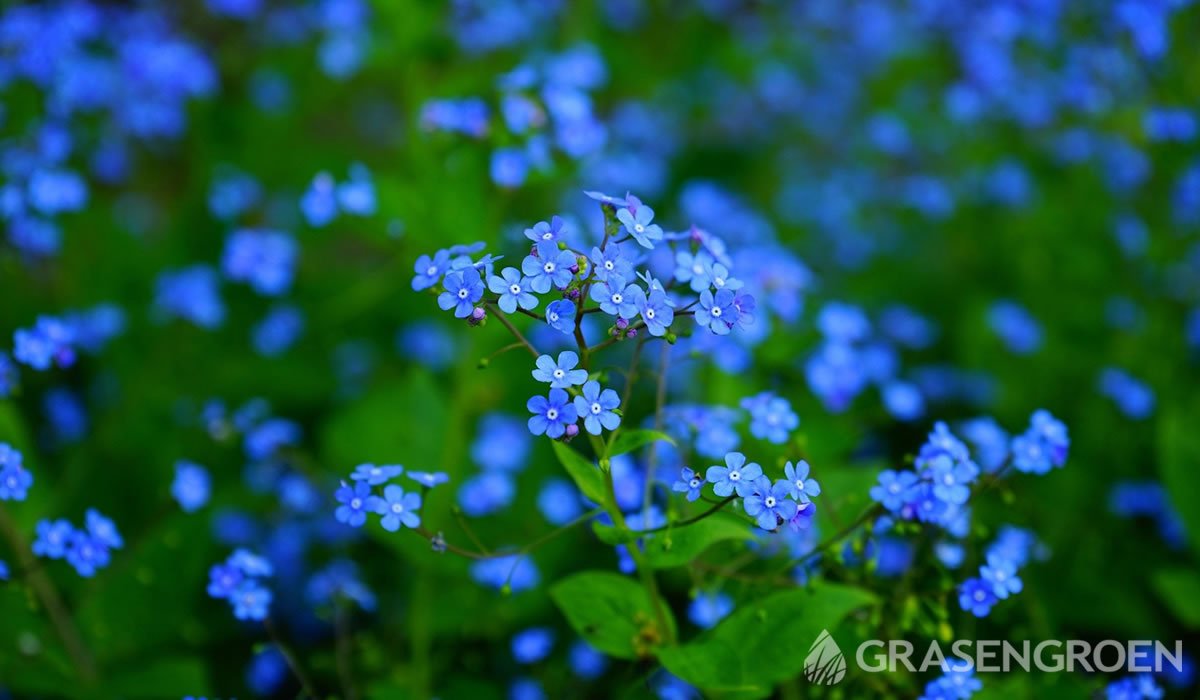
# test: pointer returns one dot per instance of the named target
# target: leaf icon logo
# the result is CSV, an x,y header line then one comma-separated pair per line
x,y
824,664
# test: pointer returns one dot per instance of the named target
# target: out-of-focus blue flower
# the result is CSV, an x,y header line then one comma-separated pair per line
x,y
192,295
278,331
15,480
429,479
502,443
709,608
976,596
516,571
532,645
397,508
355,503
192,486
268,670
232,194
427,342
262,441
264,259
771,417
86,553
357,194
66,415
585,661
509,167
903,400
1133,397
49,342
319,203
1001,574
1019,330
486,493
559,501
9,378
53,536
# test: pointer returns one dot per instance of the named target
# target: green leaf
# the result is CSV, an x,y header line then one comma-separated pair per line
x,y
680,545
611,535
1179,457
612,612
587,475
763,642
1180,590
630,440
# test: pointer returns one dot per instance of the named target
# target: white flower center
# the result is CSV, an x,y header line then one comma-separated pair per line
x,y
980,596
356,503
617,298
548,236
596,409
559,374
718,282
552,414
553,317
716,312
650,314
462,294
697,269
514,290
735,475
800,484
770,501
431,270
608,265
548,267
639,228
694,483
397,507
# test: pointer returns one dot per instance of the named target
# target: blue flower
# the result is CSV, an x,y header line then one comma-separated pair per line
x,y
656,310
716,311
264,259
616,298
771,417
429,479
690,483
709,608
103,530
942,442
9,378
430,270
376,474
770,503
976,596
463,289
86,553
278,331
735,475
585,661
318,204
15,480
49,342
561,315
894,490
549,267
547,232
596,408
354,499
191,487
551,415
1001,575
397,508
950,479
515,571
532,645
559,501
801,488
250,563
486,493
637,220
4,573
610,262
513,290
53,536
251,601
560,375
722,280
502,443
695,269
224,579
191,294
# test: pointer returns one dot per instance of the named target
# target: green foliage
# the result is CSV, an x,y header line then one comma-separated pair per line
x,y
629,440
586,474
612,612
764,641
678,546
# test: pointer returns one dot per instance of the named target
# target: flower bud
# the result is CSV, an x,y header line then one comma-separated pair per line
x,y
622,324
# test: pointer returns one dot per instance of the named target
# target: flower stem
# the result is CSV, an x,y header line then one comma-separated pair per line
x,y
513,329
305,683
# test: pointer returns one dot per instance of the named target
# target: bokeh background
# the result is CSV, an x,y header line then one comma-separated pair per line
x,y
1008,189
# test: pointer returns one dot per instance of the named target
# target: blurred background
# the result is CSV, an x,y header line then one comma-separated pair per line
x,y
1004,193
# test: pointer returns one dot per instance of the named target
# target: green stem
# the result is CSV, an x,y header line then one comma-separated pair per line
x,y
306,684
512,329
43,587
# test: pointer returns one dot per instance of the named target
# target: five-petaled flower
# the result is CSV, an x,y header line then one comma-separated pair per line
x,y
770,505
736,475
463,289
551,415
801,488
596,408
353,499
617,298
637,221
561,315
550,267
690,483
561,374
513,290
397,508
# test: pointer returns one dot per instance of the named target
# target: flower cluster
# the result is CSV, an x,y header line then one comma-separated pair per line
x,y
957,683
395,507
998,577
15,479
544,105
88,549
784,501
239,579
327,198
